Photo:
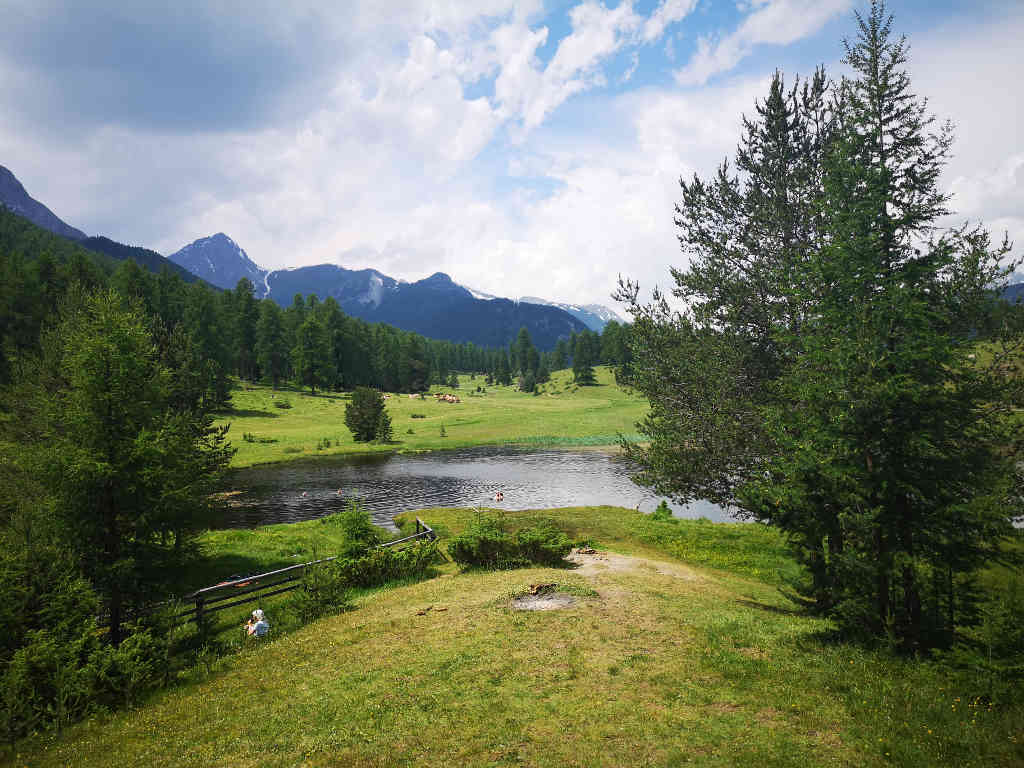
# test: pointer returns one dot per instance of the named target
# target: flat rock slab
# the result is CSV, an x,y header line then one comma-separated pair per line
x,y
546,601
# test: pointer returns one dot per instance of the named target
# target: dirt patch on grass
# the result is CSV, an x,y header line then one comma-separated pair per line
x,y
591,563
545,601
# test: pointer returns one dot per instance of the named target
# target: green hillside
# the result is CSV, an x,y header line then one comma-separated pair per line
x,y
655,662
562,414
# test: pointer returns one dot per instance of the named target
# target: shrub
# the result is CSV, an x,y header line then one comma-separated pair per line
x,y
282,404
662,513
543,544
418,416
487,544
323,592
380,566
359,531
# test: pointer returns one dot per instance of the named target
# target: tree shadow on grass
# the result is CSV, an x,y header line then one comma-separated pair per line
x,y
248,413
771,608
207,571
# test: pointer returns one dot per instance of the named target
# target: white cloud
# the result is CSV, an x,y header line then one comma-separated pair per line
x,y
779,22
392,164
668,12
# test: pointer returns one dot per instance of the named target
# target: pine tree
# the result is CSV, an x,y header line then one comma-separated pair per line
x,y
822,377
363,414
311,355
560,355
384,432
271,346
130,473
582,361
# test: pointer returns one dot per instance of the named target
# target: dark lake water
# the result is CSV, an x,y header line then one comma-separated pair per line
x,y
389,484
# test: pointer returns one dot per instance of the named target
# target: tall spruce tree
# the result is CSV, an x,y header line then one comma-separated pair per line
x,y
311,355
271,344
130,474
821,378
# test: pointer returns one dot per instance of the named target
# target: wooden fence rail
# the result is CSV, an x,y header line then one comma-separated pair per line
x,y
228,594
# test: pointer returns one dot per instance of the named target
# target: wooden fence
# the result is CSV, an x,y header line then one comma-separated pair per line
x,y
228,594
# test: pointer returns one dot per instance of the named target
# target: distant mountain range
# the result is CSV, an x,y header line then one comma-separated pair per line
x,y
595,316
435,307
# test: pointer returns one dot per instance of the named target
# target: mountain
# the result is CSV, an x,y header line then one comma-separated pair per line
x,y
435,307
14,197
594,316
1014,293
219,260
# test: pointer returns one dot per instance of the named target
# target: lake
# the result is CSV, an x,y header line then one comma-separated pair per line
x,y
306,489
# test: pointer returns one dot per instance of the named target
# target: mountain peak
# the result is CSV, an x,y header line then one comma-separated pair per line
x,y
14,196
221,261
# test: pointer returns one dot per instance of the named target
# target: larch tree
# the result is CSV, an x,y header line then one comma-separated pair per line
x,y
821,374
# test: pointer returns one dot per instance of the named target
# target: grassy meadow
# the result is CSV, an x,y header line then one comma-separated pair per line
x,y
678,650
561,414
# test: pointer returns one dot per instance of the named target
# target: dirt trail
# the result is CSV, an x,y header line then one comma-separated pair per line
x,y
592,563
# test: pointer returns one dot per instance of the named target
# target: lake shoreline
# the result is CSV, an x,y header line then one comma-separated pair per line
x,y
608,448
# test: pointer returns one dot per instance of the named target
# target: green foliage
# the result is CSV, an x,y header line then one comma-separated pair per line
x,y
486,543
282,403
359,531
992,651
130,475
324,591
363,413
385,432
662,513
388,564
820,377
542,544
586,353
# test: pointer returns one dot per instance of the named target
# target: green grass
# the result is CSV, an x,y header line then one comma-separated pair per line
x,y
689,661
562,415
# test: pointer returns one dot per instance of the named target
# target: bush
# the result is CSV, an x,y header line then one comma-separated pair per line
x,y
359,531
380,566
662,513
282,404
323,592
543,544
487,544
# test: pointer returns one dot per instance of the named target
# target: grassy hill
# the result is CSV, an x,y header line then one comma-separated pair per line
x,y
656,661
562,414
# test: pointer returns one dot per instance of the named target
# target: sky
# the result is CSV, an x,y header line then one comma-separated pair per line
x,y
525,147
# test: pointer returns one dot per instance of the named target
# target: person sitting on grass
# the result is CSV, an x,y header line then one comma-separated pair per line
x,y
257,626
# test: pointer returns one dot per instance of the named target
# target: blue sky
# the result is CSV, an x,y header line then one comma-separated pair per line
x,y
524,147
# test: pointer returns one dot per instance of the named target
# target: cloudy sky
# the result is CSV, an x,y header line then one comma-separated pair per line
x,y
523,147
